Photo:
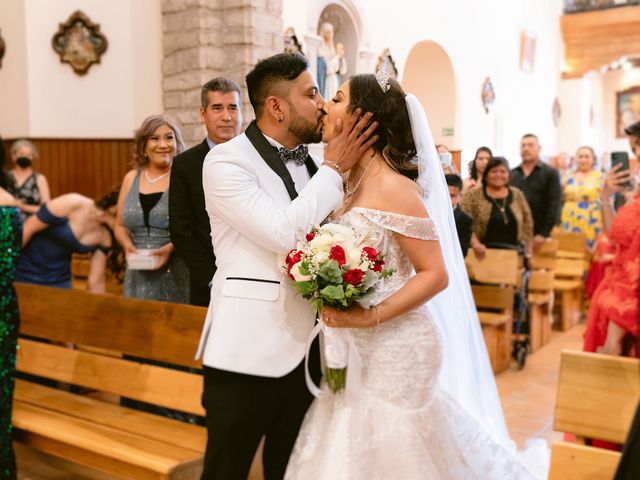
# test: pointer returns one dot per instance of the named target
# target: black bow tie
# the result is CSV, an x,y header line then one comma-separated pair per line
x,y
297,155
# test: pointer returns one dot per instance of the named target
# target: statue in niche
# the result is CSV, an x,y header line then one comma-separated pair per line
x,y
386,63
79,42
291,43
332,64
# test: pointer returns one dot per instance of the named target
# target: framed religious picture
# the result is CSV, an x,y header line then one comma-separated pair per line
x,y
79,42
627,109
527,51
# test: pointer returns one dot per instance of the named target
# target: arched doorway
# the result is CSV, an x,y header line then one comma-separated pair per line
x,y
429,75
345,32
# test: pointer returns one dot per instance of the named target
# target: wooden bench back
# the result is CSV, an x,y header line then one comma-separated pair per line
x,y
89,334
569,267
493,297
498,267
161,331
597,395
570,241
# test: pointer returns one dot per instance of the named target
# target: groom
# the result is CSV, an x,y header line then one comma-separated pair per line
x,y
262,189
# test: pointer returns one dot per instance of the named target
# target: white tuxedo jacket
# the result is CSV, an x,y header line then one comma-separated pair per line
x,y
256,324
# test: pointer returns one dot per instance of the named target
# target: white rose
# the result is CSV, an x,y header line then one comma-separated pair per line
x,y
297,276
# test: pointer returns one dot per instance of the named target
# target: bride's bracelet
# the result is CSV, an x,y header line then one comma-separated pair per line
x,y
333,166
377,315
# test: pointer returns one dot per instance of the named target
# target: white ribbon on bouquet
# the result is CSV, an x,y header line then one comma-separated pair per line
x,y
354,362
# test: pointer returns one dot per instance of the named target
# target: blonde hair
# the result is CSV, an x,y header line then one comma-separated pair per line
x,y
142,135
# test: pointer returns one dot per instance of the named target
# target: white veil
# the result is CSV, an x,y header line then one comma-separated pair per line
x,y
466,373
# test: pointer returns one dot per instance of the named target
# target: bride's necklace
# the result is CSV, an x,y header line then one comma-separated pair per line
x,y
348,193
157,179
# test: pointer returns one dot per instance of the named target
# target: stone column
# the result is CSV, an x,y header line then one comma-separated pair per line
x,y
203,39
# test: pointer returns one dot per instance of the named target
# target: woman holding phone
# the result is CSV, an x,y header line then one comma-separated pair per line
x,y
612,327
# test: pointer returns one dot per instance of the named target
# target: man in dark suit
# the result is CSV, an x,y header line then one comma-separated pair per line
x,y
189,222
464,222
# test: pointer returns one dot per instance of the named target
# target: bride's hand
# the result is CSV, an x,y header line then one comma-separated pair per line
x,y
353,317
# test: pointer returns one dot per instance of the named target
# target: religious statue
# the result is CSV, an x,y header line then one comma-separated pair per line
x,y
332,64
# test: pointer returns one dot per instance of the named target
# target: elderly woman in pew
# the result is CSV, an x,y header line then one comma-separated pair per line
x,y
501,214
10,234
68,224
153,271
612,326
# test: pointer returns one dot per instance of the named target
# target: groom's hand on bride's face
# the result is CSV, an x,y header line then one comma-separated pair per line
x,y
351,139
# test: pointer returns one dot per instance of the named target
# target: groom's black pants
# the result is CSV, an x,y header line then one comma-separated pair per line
x,y
241,409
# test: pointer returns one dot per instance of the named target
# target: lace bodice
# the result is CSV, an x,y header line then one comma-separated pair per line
x,y
400,425
376,228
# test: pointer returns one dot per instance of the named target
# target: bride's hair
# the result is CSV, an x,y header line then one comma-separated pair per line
x,y
395,138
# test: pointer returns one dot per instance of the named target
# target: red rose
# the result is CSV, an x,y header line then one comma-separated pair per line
x,y
371,253
354,277
293,257
377,267
310,236
338,254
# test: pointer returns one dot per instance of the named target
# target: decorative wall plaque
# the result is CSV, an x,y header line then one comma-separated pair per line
x,y
79,42
2,48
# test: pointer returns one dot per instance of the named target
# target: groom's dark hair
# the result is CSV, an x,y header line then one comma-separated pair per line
x,y
270,75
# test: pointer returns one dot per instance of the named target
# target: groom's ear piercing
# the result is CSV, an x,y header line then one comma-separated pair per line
x,y
280,119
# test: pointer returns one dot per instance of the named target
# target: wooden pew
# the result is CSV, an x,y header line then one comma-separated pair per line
x,y
495,278
95,433
568,282
597,398
541,294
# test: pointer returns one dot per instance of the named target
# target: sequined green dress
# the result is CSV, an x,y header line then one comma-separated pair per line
x,y
10,236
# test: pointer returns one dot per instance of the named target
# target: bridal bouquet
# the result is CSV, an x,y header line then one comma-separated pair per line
x,y
330,266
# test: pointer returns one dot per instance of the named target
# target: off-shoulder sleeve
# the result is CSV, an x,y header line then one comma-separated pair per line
x,y
413,227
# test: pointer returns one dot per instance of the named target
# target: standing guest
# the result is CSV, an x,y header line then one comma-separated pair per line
x,y
464,223
68,224
581,210
540,184
188,220
10,236
563,163
142,221
501,215
476,168
612,326
29,188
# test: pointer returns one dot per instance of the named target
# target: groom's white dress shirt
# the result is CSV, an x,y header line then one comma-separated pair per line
x,y
256,324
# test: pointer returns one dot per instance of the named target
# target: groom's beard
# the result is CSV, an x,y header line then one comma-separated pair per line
x,y
305,131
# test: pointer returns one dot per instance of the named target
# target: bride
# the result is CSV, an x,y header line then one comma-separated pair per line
x,y
427,405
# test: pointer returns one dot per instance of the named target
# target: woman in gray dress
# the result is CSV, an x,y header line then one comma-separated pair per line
x,y
142,224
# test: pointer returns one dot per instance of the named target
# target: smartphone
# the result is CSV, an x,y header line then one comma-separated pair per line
x,y
623,159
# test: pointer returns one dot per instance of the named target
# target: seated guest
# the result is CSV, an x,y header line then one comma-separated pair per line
x,y
476,168
68,224
188,220
501,215
29,188
581,209
464,222
142,224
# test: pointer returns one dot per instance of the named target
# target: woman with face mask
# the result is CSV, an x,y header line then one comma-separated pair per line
x,y
29,188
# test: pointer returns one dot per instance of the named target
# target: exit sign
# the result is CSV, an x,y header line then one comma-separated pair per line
x,y
447,132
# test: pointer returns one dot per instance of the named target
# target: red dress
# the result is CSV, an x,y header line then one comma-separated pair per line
x,y
616,298
603,255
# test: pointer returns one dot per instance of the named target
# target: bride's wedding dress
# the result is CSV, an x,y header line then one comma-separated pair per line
x,y
401,424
